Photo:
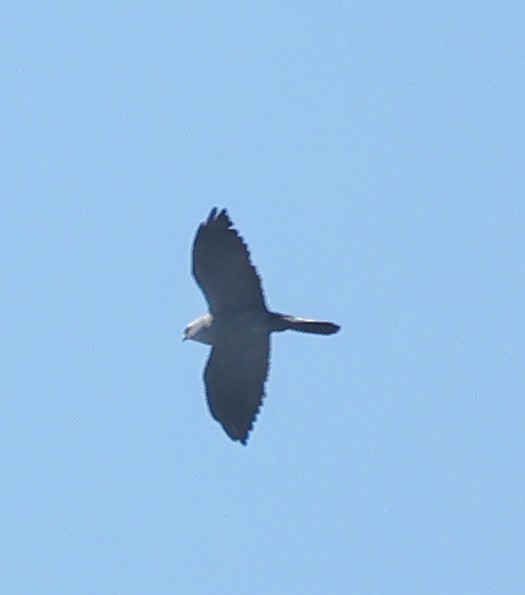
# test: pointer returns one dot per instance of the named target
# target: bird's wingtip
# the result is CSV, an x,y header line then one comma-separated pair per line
x,y
216,214
212,215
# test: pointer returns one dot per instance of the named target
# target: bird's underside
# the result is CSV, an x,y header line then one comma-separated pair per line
x,y
238,326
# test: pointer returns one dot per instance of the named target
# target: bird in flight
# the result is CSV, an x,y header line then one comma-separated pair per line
x,y
237,327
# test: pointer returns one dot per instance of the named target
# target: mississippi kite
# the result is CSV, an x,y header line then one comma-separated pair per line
x,y
237,327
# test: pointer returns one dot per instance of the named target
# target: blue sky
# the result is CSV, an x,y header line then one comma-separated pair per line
x,y
372,156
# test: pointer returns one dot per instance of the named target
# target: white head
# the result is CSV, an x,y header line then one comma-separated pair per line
x,y
200,330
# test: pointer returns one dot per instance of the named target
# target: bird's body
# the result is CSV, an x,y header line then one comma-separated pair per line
x,y
238,325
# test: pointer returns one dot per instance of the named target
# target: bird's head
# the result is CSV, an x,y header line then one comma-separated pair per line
x,y
200,330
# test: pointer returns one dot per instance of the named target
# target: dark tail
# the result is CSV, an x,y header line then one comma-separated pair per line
x,y
304,325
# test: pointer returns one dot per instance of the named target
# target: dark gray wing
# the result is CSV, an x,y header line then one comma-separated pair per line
x,y
234,377
222,267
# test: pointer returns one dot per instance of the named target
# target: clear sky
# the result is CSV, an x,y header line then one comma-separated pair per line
x,y
372,155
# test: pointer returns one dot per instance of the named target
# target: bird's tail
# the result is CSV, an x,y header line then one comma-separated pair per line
x,y
304,325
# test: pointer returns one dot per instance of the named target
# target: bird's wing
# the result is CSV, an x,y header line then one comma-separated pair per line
x,y
234,377
223,269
